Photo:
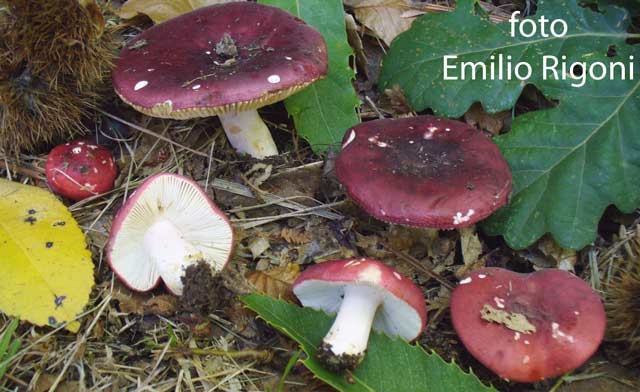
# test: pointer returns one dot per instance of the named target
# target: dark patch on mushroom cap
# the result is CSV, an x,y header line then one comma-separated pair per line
x,y
180,55
423,171
567,313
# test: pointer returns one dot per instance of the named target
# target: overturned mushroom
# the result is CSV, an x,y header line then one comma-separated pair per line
x,y
423,171
167,225
527,327
226,60
364,293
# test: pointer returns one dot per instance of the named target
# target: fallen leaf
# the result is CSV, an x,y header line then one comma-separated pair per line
x,y
491,122
46,272
258,246
383,17
162,10
470,244
565,258
295,236
275,282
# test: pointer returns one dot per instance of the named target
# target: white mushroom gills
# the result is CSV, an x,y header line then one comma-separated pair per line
x,y
349,333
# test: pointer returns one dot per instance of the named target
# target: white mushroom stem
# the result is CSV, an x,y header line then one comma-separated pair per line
x,y
165,245
349,333
248,134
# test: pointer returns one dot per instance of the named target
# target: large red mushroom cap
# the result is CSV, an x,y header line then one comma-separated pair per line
x,y
226,60
528,327
80,169
423,171
365,293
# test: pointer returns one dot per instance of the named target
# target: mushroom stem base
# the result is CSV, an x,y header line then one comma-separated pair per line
x,y
348,337
248,134
171,253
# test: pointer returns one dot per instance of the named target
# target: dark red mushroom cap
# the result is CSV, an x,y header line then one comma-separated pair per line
x,y
183,68
423,171
80,169
528,327
321,286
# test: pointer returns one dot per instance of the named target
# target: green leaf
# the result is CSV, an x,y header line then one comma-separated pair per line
x,y
569,163
632,6
389,366
415,60
326,109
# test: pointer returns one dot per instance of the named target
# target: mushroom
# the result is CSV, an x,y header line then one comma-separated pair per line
x,y
364,292
167,225
528,327
423,171
80,169
225,60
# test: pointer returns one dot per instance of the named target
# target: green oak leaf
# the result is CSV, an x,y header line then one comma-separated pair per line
x,y
415,60
389,366
326,109
570,162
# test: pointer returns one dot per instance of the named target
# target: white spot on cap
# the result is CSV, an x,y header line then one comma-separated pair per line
x,y
140,84
460,219
397,275
516,336
76,150
208,52
195,87
273,79
92,146
288,58
150,69
383,212
351,138
411,142
370,274
499,302
374,139
432,129
482,276
352,263
466,280
447,129
527,342
525,359
576,313
81,143
95,170
556,333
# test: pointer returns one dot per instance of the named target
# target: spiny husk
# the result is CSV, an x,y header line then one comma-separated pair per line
x,y
55,57
623,311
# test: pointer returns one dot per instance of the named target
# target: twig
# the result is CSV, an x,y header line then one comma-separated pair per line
x,y
419,266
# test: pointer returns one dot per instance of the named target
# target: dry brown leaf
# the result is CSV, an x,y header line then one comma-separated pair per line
x,y
565,258
162,10
144,304
295,236
383,17
275,282
491,122
471,247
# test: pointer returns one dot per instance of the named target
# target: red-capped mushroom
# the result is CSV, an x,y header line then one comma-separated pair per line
x,y
166,225
80,169
528,327
423,171
363,292
225,60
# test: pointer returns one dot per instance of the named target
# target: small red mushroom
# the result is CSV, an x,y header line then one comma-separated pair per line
x,y
80,169
423,171
364,293
528,327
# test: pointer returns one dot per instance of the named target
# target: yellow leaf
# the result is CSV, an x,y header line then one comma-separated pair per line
x,y
46,273
161,10
275,282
